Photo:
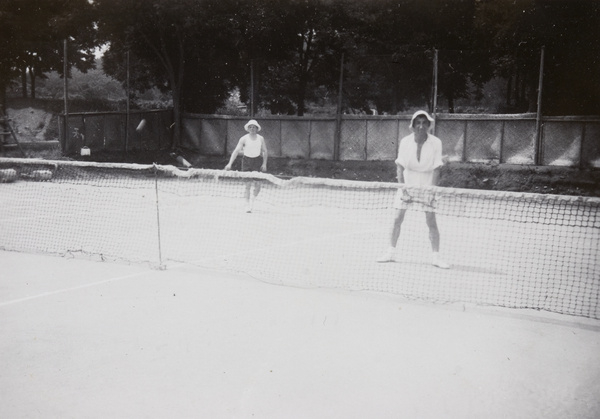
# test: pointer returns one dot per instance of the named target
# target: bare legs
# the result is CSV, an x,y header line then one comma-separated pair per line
x,y
434,238
398,220
434,233
249,196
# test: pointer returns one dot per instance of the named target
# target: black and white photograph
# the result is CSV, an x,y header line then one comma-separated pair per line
x,y
300,209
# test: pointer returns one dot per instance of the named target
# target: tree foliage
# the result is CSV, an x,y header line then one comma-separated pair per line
x,y
202,50
32,33
182,45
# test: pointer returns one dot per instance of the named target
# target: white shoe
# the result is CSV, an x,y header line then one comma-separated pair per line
x,y
436,261
250,203
388,256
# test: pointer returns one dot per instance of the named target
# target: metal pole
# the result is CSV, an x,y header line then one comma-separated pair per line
x,y
435,86
539,155
128,106
66,96
338,120
160,261
252,88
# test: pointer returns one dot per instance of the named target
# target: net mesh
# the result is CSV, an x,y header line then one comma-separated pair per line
x,y
506,249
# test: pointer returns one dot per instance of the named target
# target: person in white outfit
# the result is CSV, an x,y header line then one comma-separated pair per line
x,y
418,163
255,155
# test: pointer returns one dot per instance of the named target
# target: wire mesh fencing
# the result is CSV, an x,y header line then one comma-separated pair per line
x,y
511,139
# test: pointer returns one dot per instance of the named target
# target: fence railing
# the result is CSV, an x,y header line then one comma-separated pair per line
x,y
513,139
111,131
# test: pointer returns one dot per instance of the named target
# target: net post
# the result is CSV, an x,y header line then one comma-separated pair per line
x,y
161,266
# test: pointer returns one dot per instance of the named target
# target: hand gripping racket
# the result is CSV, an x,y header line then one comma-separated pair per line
x,y
425,197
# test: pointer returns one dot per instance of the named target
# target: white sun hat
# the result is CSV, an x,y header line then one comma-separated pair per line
x,y
251,122
418,113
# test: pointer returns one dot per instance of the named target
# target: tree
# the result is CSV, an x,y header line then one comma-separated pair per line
x,y
315,40
173,44
569,31
281,42
153,33
9,51
32,32
411,31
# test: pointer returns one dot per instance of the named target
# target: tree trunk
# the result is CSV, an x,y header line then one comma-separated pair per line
x,y
522,93
176,140
2,98
532,96
305,65
176,73
301,95
509,90
174,66
517,89
32,78
24,82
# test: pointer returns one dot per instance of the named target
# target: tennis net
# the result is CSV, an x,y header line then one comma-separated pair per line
x,y
516,250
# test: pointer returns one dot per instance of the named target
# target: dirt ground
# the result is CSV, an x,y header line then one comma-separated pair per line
x,y
35,126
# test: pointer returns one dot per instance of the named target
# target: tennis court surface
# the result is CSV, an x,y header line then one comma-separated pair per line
x,y
133,291
91,339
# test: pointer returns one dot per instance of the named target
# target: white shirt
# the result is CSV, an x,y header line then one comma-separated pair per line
x,y
252,147
419,171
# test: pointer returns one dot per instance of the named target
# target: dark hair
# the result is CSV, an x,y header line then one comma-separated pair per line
x,y
422,116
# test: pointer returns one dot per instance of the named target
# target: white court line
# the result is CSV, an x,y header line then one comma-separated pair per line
x,y
78,287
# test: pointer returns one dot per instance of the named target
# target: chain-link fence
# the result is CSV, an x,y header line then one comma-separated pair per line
x,y
377,94
115,131
467,89
512,139
441,81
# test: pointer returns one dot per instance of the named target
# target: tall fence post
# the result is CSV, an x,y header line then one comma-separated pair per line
x,y
539,149
435,90
252,88
127,115
435,84
66,97
338,115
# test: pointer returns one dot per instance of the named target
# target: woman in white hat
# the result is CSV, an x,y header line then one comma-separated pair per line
x,y
418,165
255,155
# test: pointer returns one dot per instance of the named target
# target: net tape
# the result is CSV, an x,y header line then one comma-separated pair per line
x,y
509,249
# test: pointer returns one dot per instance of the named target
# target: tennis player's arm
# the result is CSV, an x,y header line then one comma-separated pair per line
x,y
265,155
438,163
400,173
235,153
436,176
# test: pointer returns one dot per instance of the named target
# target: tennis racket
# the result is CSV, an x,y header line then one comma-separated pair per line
x,y
425,197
